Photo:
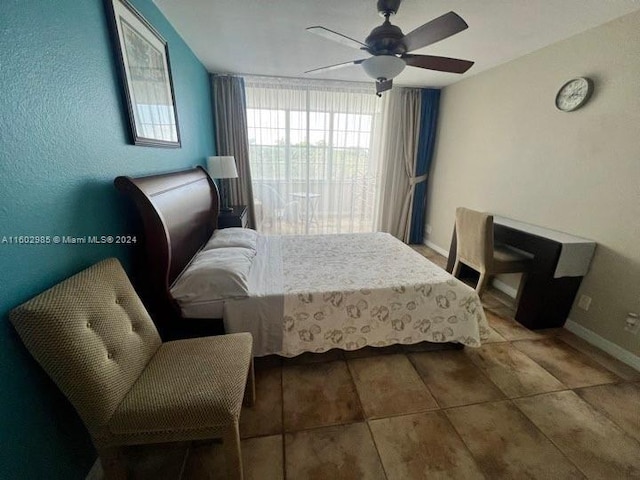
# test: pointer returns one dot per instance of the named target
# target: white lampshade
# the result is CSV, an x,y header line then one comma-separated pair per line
x,y
383,66
222,167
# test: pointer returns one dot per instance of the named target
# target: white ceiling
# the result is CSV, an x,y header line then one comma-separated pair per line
x,y
268,37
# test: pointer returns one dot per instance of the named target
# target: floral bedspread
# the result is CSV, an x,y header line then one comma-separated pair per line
x,y
350,291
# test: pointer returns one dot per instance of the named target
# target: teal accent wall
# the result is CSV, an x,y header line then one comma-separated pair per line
x,y
63,139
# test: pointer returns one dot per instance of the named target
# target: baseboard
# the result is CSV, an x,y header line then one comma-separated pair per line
x,y
440,250
611,348
504,288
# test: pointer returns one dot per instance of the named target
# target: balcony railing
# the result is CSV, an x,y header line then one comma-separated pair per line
x,y
315,207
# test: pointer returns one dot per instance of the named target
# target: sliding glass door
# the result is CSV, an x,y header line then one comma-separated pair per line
x,y
310,148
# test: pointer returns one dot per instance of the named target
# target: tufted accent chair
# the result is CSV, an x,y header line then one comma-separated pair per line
x,y
476,249
95,339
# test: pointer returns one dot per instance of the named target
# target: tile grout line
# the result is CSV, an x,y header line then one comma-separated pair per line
x,y
355,387
483,374
561,382
415,369
600,410
509,400
562,452
444,410
536,363
438,407
366,420
599,359
593,407
577,353
339,423
375,445
594,360
486,376
475,460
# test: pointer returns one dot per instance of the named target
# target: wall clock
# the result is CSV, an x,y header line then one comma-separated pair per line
x,y
574,94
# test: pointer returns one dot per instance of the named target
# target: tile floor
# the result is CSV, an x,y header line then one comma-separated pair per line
x,y
526,404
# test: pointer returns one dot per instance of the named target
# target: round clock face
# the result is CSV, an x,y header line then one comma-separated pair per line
x,y
573,94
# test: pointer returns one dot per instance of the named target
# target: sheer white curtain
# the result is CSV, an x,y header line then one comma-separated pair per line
x,y
397,144
310,150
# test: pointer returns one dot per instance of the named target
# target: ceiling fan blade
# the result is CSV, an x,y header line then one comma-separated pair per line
x,y
336,37
336,66
441,64
434,31
383,86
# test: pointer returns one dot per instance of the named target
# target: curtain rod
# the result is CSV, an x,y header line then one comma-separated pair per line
x,y
311,82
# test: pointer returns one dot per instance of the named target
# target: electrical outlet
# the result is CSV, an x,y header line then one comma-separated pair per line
x,y
428,229
632,323
585,302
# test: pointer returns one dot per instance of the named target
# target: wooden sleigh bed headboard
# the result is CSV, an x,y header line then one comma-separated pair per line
x,y
179,213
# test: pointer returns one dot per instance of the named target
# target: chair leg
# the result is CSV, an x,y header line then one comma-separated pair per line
x,y
113,463
482,283
232,452
250,388
456,268
523,280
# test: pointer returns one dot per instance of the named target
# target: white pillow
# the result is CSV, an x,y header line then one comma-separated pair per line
x,y
232,237
215,275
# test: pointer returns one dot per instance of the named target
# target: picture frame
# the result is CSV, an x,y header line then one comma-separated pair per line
x,y
145,71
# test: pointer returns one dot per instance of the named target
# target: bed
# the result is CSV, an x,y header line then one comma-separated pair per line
x,y
297,293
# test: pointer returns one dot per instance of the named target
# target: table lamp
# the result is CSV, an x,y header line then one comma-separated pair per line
x,y
223,168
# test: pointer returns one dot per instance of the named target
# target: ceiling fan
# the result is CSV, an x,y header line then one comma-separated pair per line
x,y
390,47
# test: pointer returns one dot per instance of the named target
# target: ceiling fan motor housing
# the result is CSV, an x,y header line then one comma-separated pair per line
x,y
386,40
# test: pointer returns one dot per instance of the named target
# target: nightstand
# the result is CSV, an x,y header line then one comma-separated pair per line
x,y
235,218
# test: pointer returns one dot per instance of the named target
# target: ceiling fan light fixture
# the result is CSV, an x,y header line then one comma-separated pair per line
x,y
383,66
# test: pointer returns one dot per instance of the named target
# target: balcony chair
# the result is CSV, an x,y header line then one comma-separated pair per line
x,y
274,208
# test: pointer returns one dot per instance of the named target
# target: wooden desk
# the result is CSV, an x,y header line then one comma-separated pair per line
x,y
559,262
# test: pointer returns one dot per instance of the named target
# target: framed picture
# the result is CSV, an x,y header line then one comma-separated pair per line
x,y
143,58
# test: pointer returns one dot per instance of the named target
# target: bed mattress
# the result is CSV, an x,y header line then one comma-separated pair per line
x,y
315,293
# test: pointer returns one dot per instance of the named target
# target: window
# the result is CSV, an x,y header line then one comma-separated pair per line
x,y
310,155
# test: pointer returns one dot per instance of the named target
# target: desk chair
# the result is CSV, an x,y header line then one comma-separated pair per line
x,y
475,248
95,339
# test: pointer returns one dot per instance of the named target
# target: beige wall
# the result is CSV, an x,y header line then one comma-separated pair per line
x,y
503,147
